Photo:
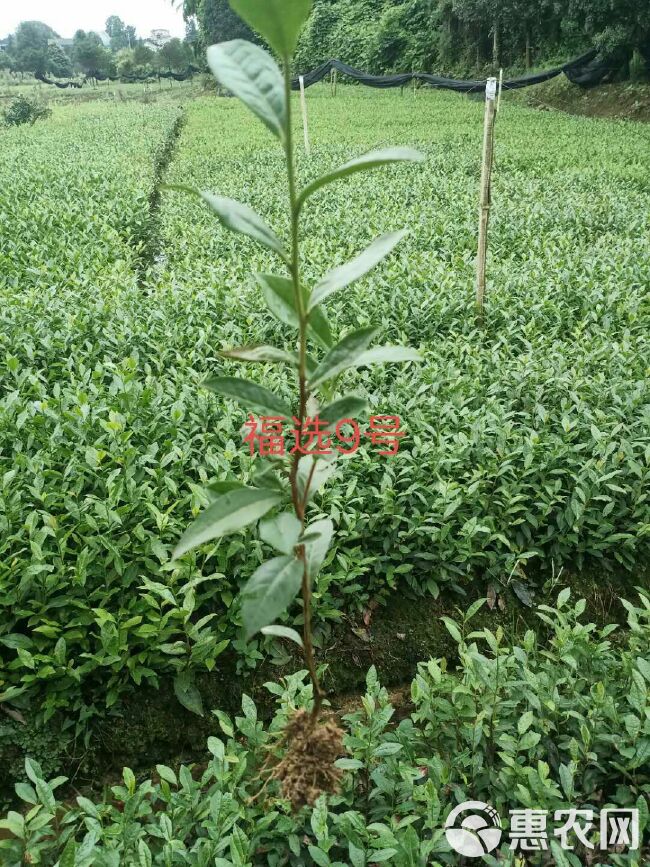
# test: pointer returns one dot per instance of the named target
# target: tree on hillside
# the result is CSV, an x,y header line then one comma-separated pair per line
x,y
144,57
58,62
217,21
457,37
174,55
624,28
482,16
32,42
117,31
192,38
89,53
125,63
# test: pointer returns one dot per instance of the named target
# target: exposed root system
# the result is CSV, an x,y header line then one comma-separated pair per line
x,y
307,769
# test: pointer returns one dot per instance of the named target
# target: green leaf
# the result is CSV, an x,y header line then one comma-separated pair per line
x,y
278,21
254,77
269,592
260,354
525,722
474,608
144,855
279,296
371,160
348,764
318,856
45,795
15,691
316,549
378,856
217,748
529,740
237,217
320,327
453,630
387,355
342,356
357,856
229,513
167,774
281,300
282,632
353,270
265,476
15,640
33,770
129,780
560,857
566,779
523,593
240,218
25,792
249,394
217,489
281,532
249,708
187,692
563,597
325,466
346,407
388,748
642,807
69,855
15,823
644,667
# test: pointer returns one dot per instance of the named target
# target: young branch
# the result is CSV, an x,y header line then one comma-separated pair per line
x,y
299,502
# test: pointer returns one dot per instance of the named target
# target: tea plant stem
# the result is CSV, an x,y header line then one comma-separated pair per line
x,y
298,501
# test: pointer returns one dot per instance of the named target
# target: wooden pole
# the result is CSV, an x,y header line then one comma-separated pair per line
x,y
303,106
485,201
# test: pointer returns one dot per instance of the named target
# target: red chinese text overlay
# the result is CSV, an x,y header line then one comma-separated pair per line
x,y
266,435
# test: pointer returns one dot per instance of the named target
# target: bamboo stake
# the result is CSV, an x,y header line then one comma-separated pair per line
x,y
485,201
303,106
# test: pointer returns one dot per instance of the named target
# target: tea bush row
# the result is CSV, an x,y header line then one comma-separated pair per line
x,y
553,723
528,439
74,200
75,231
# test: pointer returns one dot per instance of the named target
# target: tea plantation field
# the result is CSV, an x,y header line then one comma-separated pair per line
x,y
528,438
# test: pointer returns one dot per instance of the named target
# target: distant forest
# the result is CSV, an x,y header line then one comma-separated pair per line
x,y
36,49
455,36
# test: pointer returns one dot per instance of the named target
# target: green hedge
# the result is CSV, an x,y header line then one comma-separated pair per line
x,y
527,439
549,724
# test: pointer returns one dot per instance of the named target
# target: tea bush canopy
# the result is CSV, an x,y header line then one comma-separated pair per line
x,y
416,769
527,442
